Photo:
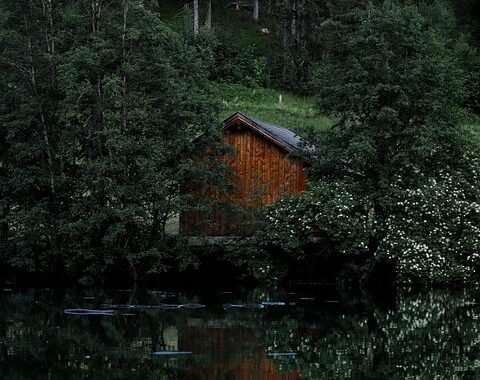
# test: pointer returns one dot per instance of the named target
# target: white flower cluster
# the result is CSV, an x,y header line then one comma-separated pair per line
x,y
435,234
328,210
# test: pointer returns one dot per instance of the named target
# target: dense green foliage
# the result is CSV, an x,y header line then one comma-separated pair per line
x,y
405,172
106,107
329,209
397,88
102,114
433,231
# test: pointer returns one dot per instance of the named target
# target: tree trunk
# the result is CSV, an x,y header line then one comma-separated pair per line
x,y
293,24
41,115
43,126
195,17
285,54
255,14
95,5
208,22
124,56
4,226
47,13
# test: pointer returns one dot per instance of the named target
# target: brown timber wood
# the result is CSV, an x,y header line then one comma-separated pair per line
x,y
263,171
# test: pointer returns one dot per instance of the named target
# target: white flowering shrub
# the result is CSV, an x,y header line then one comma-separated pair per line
x,y
328,210
433,231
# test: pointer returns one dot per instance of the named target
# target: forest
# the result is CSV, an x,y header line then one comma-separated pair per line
x,y
105,107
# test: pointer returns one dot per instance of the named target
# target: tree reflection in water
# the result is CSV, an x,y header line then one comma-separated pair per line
x,y
426,335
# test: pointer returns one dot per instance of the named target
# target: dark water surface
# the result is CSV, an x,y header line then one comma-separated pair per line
x,y
255,334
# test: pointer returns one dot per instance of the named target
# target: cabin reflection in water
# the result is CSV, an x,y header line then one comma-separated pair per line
x,y
228,350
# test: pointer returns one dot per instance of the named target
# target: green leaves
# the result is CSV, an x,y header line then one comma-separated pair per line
x,y
126,105
433,230
329,211
393,74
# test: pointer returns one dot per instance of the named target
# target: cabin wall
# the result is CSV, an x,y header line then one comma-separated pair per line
x,y
262,171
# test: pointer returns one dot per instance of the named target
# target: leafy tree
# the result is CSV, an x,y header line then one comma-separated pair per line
x,y
298,22
100,141
433,230
394,81
468,15
329,209
396,86
32,172
152,129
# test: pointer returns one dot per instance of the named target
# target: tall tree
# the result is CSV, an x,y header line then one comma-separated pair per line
x,y
299,22
33,167
397,87
392,78
101,122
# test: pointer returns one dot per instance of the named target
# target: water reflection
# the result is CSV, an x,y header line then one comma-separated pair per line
x,y
424,335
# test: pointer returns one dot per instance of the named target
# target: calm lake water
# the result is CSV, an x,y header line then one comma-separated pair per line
x,y
238,334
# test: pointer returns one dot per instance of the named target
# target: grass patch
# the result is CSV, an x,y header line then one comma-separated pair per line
x,y
295,112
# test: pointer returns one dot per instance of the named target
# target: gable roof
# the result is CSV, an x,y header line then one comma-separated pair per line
x,y
282,137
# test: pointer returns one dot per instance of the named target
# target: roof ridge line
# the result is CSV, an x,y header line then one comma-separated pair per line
x,y
285,137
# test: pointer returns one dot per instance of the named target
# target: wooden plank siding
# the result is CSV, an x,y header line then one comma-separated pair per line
x,y
263,171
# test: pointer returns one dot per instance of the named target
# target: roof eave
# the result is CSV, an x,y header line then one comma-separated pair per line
x,y
238,116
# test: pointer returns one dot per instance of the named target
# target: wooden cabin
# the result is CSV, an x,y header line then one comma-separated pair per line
x,y
267,164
